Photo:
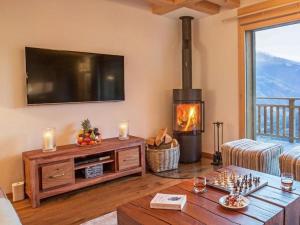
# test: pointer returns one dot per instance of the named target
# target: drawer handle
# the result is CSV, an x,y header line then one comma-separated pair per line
x,y
128,160
57,175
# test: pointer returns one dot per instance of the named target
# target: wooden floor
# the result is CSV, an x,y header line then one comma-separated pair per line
x,y
89,203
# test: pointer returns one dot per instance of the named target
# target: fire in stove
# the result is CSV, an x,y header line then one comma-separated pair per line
x,y
187,117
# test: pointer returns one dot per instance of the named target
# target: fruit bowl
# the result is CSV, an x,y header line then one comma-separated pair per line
x,y
86,139
85,144
87,135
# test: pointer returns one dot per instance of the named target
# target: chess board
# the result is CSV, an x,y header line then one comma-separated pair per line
x,y
232,182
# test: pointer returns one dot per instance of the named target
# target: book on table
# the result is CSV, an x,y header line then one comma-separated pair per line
x,y
168,201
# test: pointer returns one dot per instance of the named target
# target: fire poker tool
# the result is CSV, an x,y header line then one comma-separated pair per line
x,y
218,140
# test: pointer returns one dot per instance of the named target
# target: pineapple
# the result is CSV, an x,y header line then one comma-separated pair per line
x,y
86,125
93,136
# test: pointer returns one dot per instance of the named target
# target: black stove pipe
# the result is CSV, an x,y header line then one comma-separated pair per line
x,y
186,52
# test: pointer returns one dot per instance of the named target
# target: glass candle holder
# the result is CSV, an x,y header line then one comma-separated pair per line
x,y
49,143
123,130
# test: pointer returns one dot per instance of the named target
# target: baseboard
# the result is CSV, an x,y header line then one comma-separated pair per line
x,y
207,155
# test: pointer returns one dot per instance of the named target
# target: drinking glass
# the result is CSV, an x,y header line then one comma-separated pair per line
x,y
199,184
287,180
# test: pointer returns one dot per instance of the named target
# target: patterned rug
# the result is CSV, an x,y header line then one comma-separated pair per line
x,y
107,219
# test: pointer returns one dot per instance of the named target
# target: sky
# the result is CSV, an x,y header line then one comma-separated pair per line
x,y
282,41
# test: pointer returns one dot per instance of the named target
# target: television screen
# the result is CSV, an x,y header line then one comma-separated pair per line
x,y
55,76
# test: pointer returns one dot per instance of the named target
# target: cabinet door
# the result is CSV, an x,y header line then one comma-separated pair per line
x,y
58,174
129,158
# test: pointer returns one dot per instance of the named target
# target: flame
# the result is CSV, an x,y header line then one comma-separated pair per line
x,y
191,118
188,116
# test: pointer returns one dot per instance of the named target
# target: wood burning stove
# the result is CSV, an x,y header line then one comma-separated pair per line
x,y
188,107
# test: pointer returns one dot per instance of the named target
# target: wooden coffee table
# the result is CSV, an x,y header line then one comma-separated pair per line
x,y
269,205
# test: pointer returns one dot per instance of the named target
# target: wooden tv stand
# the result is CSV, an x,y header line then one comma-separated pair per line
x,y
53,173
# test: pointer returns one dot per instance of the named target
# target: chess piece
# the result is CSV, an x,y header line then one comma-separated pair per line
x,y
225,174
235,190
232,176
255,181
246,185
250,182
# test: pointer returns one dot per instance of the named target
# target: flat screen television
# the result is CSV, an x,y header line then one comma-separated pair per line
x,y
55,76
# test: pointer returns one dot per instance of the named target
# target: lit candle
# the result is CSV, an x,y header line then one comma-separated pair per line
x,y
49,140
123,131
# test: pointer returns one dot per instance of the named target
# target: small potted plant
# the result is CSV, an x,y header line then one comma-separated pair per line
x,y
88,135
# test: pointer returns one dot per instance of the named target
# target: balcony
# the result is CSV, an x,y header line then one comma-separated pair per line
x,y
278,120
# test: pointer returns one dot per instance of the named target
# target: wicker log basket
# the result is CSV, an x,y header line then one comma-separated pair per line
x,y
162,152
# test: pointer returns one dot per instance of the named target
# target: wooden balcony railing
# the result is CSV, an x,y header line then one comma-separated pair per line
x,y
278,120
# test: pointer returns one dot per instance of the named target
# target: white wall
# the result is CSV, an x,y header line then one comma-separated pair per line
x,y
216,71
151,47
215,60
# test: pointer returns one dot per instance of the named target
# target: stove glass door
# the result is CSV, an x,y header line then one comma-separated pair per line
x,y
187,117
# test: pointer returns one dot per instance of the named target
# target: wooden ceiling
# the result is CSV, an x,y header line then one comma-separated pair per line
x,y
161,7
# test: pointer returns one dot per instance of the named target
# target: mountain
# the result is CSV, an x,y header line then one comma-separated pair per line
x,y
276,77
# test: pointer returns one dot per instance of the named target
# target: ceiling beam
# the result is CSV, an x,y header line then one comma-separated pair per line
x,y
161,7
198,5
231,4
185,2
162,2
228,4
161,10
205,7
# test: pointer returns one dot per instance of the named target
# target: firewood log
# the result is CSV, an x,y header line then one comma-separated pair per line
x,y
151,141
160,136
165,146
174,143
168,139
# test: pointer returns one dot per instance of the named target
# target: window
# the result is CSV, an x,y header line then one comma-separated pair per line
x,y
273,84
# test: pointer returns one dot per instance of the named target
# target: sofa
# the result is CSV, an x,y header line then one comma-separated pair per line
x,y
8,215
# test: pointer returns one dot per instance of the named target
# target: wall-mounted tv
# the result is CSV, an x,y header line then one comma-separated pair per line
x,y
55,76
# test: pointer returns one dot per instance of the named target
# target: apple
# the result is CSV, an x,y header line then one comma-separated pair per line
x,y
83,143
92,142
87,139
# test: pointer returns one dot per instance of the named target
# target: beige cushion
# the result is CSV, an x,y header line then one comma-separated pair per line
x,y
8,215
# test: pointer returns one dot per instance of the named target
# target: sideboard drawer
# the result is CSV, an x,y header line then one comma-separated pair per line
x,y
129,158
57,174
